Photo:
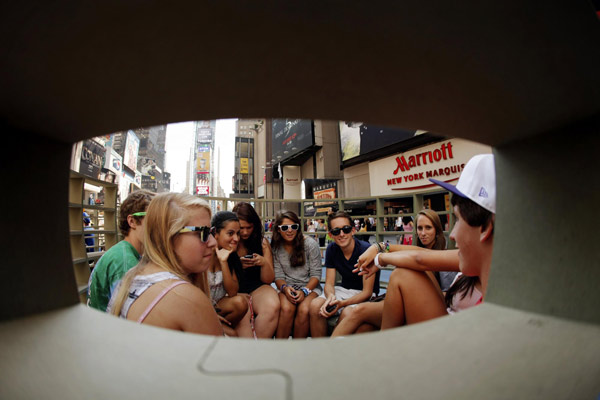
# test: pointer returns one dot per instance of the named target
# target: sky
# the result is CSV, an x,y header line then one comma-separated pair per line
x,y
180,142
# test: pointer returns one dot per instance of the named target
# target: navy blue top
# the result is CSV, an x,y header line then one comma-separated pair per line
x,y
334,258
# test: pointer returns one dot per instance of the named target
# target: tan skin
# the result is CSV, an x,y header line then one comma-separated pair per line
x,y
186,307
412,297
294,305
318,312
233,307
264,299
367,317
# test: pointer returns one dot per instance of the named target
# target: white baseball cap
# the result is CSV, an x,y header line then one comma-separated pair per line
x,y
477,182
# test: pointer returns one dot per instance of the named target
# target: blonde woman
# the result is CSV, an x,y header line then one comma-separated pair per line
x,y
168,287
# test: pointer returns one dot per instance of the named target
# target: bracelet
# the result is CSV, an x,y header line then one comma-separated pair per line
x,y
306,291
379,249
282,287
376,261
387,247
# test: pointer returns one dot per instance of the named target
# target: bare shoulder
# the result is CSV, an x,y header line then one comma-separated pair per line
x,y
266,245
194,311
191,294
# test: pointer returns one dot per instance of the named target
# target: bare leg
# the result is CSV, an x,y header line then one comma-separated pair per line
x,y
233,308
302,321
266,307
364,328
411,297
318,324
353,318
244,328
286,317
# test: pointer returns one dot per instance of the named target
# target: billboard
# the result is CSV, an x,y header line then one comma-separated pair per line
x,y
114,161
203,183
132,146
203,161
243,165
358,139
320,189
92,155
205,135
149,182
291,137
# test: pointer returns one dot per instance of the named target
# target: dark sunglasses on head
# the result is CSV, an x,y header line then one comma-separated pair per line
x,y
203,232
293,227
336,231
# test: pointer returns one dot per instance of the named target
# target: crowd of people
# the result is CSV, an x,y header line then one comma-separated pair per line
x,y
182,268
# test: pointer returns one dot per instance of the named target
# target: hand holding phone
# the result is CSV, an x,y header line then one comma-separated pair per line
x,y
330,308
248,256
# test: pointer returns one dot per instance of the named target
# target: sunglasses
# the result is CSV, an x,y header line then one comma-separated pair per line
x,y
336,231
293,227
139,214
203,232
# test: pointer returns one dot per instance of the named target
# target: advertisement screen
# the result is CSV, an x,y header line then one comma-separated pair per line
x,y
132,147
243,165
358,139
203,162
92,157
290,137
205,136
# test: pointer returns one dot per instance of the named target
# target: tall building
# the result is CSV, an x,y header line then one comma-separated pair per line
x,y
205,143
246,170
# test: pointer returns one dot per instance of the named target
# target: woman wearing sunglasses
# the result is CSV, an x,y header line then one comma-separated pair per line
x,y
297,274
168,287
257,274
223,276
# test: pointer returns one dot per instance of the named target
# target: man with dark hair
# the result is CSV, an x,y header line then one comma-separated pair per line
x,y
123,256
341,256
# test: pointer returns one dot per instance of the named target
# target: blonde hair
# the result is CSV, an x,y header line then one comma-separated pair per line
x,y
167,214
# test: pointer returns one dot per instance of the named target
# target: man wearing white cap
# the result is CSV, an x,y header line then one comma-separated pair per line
x,y
412,296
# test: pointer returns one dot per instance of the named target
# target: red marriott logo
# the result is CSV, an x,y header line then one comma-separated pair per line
x,y
443,153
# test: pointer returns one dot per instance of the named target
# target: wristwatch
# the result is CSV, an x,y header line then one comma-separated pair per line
x,y
306,291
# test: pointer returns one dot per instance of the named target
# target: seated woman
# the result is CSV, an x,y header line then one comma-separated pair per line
x,y
412,296
168,287
297,265
223,276
367,316
257,273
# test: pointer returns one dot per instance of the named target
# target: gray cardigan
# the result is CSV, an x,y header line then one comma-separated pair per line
x,y
299,275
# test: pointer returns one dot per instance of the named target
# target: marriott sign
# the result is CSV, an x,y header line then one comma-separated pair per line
x,y
410,171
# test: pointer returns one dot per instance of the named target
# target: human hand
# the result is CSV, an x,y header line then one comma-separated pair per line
x,y
249,262
332,301
223,254
223,320
367,257
291,294
366,270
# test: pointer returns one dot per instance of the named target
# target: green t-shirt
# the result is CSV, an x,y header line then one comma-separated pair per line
x,y
108,271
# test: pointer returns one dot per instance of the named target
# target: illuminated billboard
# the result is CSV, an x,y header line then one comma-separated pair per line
x,y
291,137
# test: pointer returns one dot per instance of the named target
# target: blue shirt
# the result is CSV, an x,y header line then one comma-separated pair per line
x,y
334,258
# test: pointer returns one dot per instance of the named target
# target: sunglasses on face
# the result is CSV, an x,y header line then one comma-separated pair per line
x,y
336,231
293,227
203,232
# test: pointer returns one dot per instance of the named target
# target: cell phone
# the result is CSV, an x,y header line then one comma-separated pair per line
x,y
248,256
330,308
